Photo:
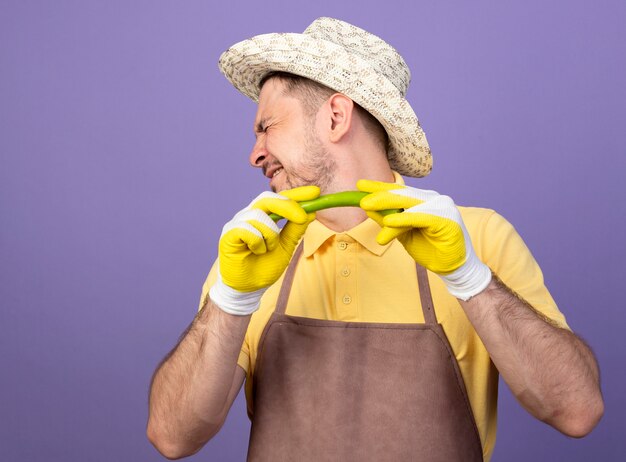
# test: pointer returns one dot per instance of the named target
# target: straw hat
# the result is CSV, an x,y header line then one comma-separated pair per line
x,y
349,60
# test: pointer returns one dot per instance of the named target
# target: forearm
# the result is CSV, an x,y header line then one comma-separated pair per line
x,y
550,370
189,395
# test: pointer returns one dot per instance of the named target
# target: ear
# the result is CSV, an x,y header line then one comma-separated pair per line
x,y
342,109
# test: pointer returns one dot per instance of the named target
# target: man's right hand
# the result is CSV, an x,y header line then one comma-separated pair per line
x,y
254,252
195,386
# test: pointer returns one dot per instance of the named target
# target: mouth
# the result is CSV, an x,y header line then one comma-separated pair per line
x,y
272,171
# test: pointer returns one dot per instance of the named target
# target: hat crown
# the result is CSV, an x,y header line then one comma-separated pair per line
x,y
374,50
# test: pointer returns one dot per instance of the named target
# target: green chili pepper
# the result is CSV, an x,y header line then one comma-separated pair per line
x,y
340,199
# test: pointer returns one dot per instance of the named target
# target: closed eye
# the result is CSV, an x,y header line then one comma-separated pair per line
x,y
260,127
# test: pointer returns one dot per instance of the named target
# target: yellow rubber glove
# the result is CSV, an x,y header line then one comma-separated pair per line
x,y
253,252
431,230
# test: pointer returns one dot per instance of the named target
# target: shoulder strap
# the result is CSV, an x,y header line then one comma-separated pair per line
x,y
425,296
285,289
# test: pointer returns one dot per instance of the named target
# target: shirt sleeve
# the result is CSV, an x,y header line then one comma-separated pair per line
x,y
244,355
500,247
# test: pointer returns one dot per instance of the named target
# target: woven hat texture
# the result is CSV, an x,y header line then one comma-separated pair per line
x,y
349,60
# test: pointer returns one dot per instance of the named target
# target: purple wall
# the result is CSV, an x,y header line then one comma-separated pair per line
x,y
123,151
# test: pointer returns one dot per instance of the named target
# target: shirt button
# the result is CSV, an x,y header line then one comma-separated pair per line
x,y
343,245
345,272
347,299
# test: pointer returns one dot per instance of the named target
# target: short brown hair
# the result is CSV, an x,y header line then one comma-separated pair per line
x,y
312,95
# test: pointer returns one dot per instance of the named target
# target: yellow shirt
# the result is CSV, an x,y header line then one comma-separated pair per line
x,y
349,277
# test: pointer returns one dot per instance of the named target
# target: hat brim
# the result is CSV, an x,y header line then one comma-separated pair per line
x,y
247,62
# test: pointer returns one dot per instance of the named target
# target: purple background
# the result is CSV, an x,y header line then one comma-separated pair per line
x,y
124,151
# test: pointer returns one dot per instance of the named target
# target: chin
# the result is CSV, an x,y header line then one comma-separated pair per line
x,y
279,186
283,186
291,182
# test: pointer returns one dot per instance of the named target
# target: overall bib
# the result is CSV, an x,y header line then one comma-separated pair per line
x,y
354,391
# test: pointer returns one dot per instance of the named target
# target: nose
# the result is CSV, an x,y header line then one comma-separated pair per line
x,y
258,154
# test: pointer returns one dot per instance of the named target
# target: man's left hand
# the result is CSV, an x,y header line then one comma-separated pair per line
x,y
431,230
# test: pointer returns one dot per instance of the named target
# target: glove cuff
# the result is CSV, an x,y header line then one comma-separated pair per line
x,y
468,280
233,301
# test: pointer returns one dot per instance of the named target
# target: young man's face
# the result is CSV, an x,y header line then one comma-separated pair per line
x,y
288,148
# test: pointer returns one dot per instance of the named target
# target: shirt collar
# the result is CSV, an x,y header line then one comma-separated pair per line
x,y
364,233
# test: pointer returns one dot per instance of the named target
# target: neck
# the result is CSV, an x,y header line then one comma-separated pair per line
x,y
356,155
344,218
341,219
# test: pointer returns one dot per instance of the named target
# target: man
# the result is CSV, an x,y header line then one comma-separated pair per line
x,y
362,334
